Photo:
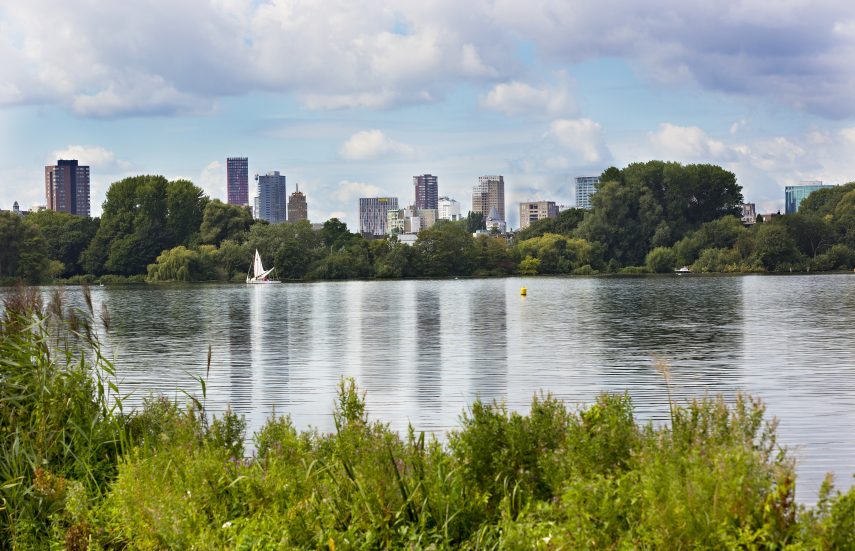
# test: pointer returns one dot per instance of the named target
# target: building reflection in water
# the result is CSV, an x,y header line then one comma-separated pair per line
x,y
240,357
428,348
488,334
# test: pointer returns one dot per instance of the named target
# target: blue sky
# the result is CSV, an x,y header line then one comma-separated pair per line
x,y
352,99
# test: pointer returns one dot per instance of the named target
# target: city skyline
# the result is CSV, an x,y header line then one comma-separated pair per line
x,y
540,93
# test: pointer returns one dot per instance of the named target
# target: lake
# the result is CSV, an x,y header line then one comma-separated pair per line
x,y
423,350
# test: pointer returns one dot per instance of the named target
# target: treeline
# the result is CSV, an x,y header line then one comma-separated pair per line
x,y
646,217
82,472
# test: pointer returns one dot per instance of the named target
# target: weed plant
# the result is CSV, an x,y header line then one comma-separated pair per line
x,y
79,473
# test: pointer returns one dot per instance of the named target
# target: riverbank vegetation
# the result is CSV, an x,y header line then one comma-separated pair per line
x,y
646,217
79,471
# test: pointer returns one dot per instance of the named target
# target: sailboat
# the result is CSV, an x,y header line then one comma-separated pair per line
x,y
259,274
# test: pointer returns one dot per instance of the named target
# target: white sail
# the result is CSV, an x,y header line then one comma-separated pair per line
x,y
258,273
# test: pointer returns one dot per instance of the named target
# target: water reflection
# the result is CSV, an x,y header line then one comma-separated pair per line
x,y
488,340
423,349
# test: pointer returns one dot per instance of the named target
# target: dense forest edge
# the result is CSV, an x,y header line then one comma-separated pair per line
x,y
646,218
79,471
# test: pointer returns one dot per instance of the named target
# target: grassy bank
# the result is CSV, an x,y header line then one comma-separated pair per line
x,y
76,471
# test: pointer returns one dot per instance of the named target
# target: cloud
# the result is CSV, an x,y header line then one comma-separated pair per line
x,y
212,179
349,192
519,98
92,155
582,138
344,54
687,143
372,144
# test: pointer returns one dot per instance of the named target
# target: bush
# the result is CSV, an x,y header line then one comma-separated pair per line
x,y
661,260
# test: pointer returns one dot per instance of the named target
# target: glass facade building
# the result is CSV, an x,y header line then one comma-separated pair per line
x,y
270,201
586,186
794,195
237,180
373,212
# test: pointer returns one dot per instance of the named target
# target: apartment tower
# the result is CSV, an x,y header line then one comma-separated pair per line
x,y
427,191
237,180
270,201
67,187
489,193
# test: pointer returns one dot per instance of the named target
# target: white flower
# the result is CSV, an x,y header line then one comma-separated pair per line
x,y
227,524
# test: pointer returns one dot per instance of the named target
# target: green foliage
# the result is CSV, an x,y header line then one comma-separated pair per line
x,y
661,260
66,236
60,434
529,266
23,255
221,221
446,249
475,221
143,216
182,264
557,254
564,224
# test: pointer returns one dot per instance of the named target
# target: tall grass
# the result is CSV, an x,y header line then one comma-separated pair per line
x,y
78,472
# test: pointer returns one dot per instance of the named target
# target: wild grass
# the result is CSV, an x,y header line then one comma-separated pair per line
x,y
78,472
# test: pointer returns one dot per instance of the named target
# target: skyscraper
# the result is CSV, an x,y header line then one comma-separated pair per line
x,y
372,214
536,210
489,193
794,195
427,191
270,200
298,209
586,186
67,187
237,180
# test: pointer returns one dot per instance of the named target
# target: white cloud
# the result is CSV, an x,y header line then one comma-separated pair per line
x,y
372,144
92,155
212,179
374,54
583,138
349,192
519,98
687,143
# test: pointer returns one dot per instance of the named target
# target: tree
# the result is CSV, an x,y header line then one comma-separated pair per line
x,y
445,250
557,254
335,234
66,236
23,252
565,223
475,221
221,221
661,260
142,216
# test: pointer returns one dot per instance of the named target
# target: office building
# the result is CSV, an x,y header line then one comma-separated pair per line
x,y
270,199
237,180
448,209
372,214
67,187
586,186
488,194
794,195
298,209
427,191
536,210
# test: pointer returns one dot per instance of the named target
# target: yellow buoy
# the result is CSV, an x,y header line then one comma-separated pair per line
x,y
523,291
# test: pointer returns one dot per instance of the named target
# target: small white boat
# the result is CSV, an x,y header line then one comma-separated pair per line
x,y
259,274
683,270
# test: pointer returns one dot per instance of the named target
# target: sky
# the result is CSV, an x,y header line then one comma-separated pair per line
x,y
353,98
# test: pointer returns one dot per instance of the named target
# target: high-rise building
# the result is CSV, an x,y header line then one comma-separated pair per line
x,y
298,209
489,193
67,187
448,209
427,191
794,195
237,180
270,200
586,186
536,210
372,214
